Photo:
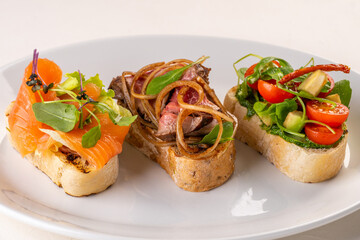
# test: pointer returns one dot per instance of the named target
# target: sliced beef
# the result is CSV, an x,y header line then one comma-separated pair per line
x,y
167,125
205,129
116,85
191,96
196,70
172,107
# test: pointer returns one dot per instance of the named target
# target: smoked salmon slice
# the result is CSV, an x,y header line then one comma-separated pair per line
x,y
28,134
23,126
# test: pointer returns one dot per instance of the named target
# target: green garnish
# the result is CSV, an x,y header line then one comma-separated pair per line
x,y
211,137
158,83
343,89
58,115
90,138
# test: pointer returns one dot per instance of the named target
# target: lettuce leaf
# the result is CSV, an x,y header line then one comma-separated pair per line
x,y
344,90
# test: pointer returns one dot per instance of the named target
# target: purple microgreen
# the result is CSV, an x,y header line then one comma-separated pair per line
x,y
81,83
34,62
79,109
89,100
36,81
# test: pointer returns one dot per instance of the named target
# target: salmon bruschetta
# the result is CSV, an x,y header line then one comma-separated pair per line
x,y
71,130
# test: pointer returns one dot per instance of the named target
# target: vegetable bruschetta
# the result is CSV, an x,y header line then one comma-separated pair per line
x,y
295,118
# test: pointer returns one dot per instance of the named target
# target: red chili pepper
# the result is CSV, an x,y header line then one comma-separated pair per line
x,y
302,71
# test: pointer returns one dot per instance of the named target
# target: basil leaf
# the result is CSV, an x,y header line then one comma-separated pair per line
x,y
158,83
90,138
57,115
344,90
228,130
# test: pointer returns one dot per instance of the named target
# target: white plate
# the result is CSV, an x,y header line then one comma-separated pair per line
x,y
257,202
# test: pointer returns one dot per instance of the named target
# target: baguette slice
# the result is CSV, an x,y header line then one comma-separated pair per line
x,y
191,175
300,164
69,175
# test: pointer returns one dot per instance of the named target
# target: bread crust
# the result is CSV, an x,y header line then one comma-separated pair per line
x,y
74,180
190,175
300,164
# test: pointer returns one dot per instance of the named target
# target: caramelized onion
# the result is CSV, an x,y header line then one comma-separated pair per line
x,y
153,104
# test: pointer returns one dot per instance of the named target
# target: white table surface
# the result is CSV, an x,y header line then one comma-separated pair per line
x,y
327,28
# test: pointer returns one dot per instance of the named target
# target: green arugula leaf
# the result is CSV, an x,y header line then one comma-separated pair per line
x,y
57,115
90,138
344,90
275,73
228,130
265,65
158,83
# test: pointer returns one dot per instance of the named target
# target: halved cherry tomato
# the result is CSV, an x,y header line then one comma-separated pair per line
x,y
321,135
250,71
271,93
325,113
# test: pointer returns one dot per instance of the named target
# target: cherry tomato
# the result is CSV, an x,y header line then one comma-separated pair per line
x,y
271,93
321,135
325,113
250,71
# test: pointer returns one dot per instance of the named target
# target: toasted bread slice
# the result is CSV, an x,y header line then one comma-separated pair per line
x,y
73,176
191,175
300,164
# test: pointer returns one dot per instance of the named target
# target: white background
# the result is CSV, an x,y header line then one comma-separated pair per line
x,y
330,29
